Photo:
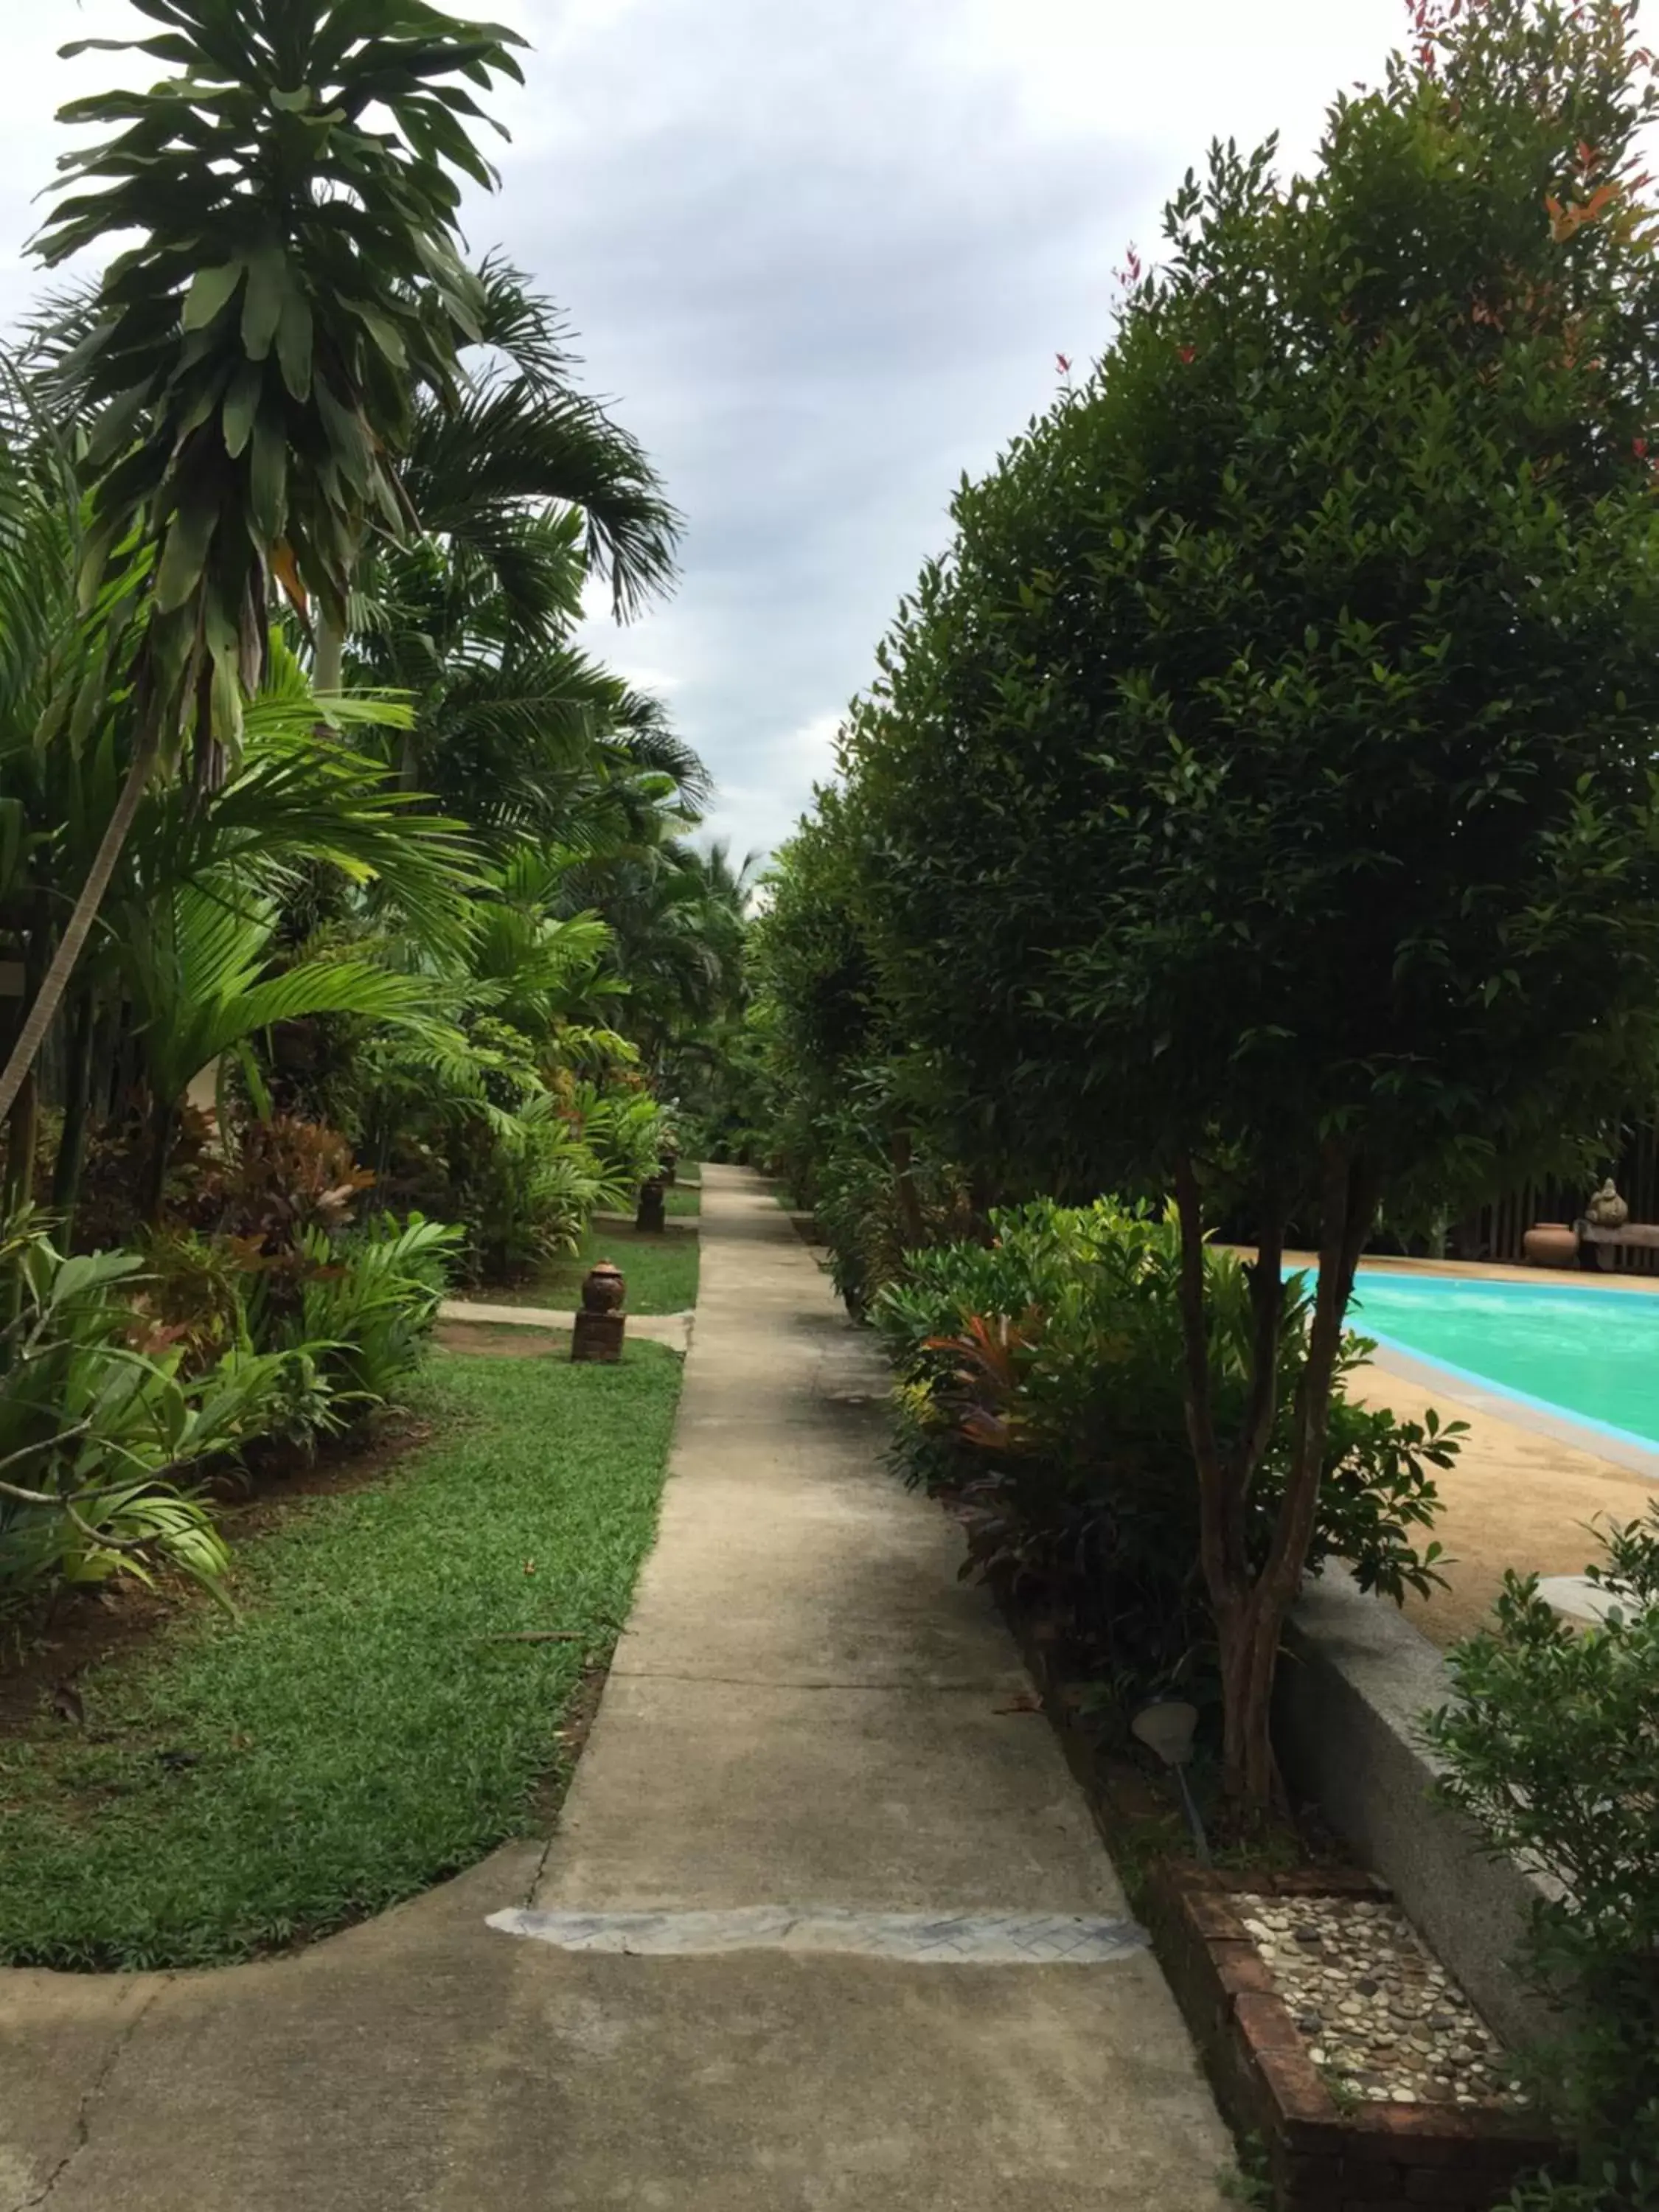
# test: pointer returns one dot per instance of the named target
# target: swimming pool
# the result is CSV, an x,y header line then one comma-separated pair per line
x,y
1591,1353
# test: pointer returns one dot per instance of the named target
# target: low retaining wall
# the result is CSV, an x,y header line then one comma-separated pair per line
x,y
1354,1679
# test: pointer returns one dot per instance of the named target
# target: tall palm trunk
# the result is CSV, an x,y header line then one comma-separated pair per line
x,y
163,1120
78,1110
49,996
329,673
23,1119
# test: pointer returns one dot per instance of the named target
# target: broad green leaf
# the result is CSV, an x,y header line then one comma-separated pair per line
x,y
268,479
386,334
294,342
212,290
184,554
262,307
241,405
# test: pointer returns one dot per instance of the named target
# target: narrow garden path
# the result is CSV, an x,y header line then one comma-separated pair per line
x,y
812,1776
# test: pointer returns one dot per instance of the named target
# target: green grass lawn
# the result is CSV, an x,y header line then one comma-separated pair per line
x,y
684,1199
661,1272
352,1738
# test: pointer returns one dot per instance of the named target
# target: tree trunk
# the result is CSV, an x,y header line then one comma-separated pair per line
x,y
981,1199
22,1129
48,998
23,1121
911,1226
328,672
163,1115
207,760
77,1108
1250,1608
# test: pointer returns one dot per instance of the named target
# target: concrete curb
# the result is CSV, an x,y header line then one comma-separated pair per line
x,y
673,1329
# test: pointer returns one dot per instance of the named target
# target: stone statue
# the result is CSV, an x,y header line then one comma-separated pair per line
x,y
1607,1210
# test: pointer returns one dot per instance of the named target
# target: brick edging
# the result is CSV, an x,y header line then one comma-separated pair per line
x,y
1374,2158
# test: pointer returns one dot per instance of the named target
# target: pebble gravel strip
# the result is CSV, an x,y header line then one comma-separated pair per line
x,y
1382,2018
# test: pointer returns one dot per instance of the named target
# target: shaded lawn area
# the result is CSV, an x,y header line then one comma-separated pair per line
x,y
661,1272
353,1737
683,1200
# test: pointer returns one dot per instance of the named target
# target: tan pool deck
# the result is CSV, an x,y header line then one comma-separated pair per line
x,y
1521,1494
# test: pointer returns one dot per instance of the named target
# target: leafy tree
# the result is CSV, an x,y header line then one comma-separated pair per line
x,y
253,358
198,972
1259,797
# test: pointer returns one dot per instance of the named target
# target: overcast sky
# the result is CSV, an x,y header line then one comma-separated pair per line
x,y
822,255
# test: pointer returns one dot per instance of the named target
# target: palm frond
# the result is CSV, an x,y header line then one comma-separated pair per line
x,y
514,443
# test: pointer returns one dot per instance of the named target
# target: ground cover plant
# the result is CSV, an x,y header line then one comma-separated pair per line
x,y
365,1725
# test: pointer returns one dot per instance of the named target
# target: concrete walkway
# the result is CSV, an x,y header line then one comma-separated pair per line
x,y
808,1712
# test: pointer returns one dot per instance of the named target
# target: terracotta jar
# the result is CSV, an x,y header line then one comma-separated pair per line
x,y
1550,1244
604,1288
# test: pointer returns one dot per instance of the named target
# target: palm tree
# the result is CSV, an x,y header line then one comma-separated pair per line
x,y
523,441
199,977
525,491
65,731
250,367
675,917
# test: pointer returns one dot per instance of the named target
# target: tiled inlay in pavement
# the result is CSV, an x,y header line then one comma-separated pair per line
x,y
978,1939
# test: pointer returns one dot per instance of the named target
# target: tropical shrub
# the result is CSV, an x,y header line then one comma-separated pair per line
x,y
275,1263
1041,1386
368,1303
878,1200
626,1131
279,1180
97,1423
1551,1748
492,1132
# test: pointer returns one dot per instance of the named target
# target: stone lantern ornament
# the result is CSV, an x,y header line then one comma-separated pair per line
x,y
652,1217
597,1333
1607,1210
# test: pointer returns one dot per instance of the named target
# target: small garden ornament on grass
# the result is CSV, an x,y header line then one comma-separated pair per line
x,y
597,1333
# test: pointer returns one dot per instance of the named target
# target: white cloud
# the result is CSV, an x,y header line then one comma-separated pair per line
x,y
820,255
756,814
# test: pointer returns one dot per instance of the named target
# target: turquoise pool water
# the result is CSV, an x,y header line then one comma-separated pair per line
x,y
1591,1353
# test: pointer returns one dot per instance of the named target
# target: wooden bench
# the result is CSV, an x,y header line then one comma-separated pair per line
x,y
1593,1241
